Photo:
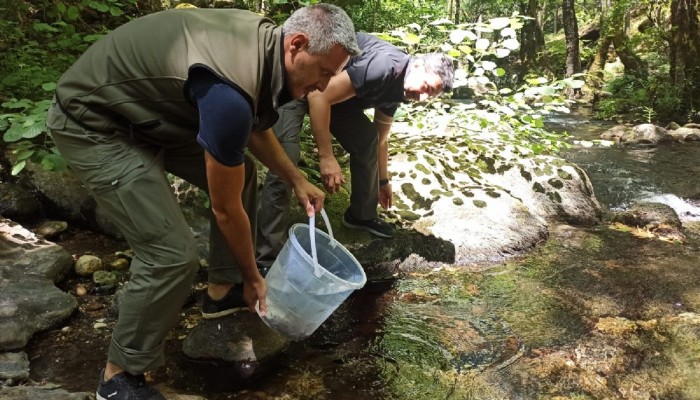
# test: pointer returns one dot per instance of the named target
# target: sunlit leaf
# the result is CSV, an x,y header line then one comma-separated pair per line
x,y
465,49
488,65
499,72
441,21
502,53
414,26
458,35
482,44
18,167
511,44
499,23
411,38
509,32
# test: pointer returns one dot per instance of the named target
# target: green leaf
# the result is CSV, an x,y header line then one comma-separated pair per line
x,y
34,130
18,168
49,86
73,13
13,134
61,7
24,154
411,38
499,72
115,11
53,162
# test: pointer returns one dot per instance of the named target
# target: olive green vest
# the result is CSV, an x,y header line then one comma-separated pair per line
x,y
136,75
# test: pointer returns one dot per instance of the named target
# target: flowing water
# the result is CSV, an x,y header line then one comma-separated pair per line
x,y
593,313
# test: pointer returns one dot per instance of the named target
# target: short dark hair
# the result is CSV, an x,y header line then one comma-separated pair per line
x,y
439,64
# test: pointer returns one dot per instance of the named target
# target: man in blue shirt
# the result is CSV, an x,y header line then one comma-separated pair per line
x,y
185,92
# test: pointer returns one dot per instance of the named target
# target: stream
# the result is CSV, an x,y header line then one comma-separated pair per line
x,y
593,313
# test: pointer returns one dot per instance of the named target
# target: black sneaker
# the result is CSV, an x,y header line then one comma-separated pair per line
x,y
229,304
374,226
124,386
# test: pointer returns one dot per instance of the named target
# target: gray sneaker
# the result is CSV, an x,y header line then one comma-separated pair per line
x,y
124,386
376,226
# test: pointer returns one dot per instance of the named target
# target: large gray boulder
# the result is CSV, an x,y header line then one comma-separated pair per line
x,y
29,300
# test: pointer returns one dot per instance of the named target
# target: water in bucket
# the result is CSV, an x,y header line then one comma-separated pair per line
x,y
311,277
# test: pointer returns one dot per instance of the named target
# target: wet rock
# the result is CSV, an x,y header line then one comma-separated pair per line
x,y
14,366
242,342
658,218
18,204
29,301
23,253
51,229
45,392
87,265
104,278
615,133
120,264
646,134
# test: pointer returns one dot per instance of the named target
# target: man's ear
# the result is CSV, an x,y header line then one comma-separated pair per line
x,y
298,42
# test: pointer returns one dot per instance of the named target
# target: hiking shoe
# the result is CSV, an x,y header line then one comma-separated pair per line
x,y
124,386
229,304
376,226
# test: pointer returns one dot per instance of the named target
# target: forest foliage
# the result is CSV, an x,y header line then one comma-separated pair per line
x,y
517,61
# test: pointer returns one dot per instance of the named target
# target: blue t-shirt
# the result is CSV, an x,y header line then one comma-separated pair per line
x,y
225,117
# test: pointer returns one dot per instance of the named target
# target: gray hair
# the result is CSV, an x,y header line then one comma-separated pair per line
x,y
326,25
439,64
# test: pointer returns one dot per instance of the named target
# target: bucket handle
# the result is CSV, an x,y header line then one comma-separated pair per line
x,y
318,270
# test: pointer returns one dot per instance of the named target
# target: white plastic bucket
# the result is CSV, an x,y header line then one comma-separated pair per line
x,y
312,275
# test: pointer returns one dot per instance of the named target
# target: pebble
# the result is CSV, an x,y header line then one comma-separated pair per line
x,y
80,290
99,325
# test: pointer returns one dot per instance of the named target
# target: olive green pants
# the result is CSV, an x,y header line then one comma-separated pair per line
x,y
126,174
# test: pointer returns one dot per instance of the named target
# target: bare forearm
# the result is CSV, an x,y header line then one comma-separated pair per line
x,y
235,228
320,114
383,124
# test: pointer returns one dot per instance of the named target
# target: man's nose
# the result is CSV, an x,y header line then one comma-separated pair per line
x,y
322,85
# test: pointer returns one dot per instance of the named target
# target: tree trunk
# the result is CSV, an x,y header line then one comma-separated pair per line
x,y
616,26
532,39
573,58
685,51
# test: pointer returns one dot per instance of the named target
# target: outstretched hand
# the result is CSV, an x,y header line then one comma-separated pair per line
x,y
256,292
386,196
310,197
331,174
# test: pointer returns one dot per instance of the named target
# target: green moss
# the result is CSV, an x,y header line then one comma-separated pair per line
x,y
492,193
564,175
479,203
425,181
525,174
437,192
457,201
412,158
537,187
408,215
419,202
422,168
556,183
